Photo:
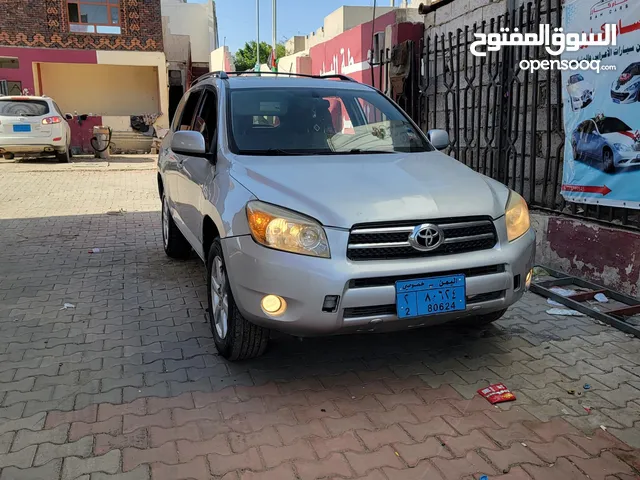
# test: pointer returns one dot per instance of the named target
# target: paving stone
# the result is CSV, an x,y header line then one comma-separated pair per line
x,y
21,459
74,466
49,471
34,422
26,438
50,451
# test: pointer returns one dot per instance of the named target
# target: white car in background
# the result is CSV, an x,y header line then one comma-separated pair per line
x,y
580,91
33,126
626,88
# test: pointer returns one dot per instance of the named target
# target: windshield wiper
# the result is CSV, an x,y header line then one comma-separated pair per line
x,y
360,150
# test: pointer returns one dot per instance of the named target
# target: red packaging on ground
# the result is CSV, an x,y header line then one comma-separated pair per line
x,y
497,393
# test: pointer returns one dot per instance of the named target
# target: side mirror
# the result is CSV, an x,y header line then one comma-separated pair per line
x,y
68,116
187,142
438,138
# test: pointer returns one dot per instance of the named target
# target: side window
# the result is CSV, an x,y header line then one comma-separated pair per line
x,y
590,128
206,121
184,118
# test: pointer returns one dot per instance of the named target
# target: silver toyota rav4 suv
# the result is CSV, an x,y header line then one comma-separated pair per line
x,y
320,208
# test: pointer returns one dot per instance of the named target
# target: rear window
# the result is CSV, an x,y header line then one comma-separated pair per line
x,y
23,108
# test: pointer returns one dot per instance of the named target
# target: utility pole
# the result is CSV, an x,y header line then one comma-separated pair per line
x,y
273,38
257,67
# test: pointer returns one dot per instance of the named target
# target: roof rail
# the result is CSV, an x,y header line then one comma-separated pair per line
x,y
289,74
217,74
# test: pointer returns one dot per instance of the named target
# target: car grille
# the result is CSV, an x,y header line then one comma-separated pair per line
x,y
619,96
389,241
390,309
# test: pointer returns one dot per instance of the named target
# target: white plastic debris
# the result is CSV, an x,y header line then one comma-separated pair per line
x,y
565,312
565,292
554,303
524,444
603,428
94,250
601,297
67,306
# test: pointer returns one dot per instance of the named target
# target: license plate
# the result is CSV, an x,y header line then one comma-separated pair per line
x,y
615,100
430,296
22,128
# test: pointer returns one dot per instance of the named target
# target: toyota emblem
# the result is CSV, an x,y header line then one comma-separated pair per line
x,y
426,237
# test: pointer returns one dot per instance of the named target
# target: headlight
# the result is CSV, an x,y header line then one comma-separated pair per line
x,y
633,86
517,216
282,229
621,147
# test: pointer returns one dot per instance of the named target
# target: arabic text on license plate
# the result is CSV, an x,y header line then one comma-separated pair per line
x,y
430,296
22,128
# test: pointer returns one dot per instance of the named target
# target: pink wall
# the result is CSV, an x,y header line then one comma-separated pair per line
x,y
80,134
348,48
28,56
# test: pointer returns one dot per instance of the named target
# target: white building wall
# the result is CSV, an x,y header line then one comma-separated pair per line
x,y
198,21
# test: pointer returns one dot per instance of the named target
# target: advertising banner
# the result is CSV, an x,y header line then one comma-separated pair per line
x,y
602,106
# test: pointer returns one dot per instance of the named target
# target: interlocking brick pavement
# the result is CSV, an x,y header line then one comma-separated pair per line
x,y
127,385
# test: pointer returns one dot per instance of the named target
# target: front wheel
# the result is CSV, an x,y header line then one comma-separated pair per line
x,y
9,156
607,161
234,336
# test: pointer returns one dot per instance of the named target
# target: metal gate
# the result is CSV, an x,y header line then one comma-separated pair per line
x,y
503,122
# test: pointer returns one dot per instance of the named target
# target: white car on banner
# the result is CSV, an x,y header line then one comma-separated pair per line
x,y
580,91
606,143
626,88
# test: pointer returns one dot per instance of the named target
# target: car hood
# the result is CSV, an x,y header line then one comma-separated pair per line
x,y
343,190
625,138
577,89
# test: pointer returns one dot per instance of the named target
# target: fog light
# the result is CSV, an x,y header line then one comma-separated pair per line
x,y
273,305
330,303
528,280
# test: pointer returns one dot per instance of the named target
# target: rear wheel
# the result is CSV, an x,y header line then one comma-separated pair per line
x,y
9,156
63,157
234,336
175,245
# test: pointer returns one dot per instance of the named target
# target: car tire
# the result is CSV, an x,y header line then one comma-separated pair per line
x,y
175,245
63,157
235,337
9,156
608,166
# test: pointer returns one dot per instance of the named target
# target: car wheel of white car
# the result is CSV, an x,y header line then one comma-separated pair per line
x,y
63,157
175,245
234,336
607,161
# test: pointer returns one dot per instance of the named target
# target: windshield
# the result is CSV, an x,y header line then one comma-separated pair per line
x,y
633,69
576,78
321,121
611,125
23,108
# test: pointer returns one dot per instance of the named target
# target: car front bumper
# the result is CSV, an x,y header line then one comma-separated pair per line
x,y
629,158
495,279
